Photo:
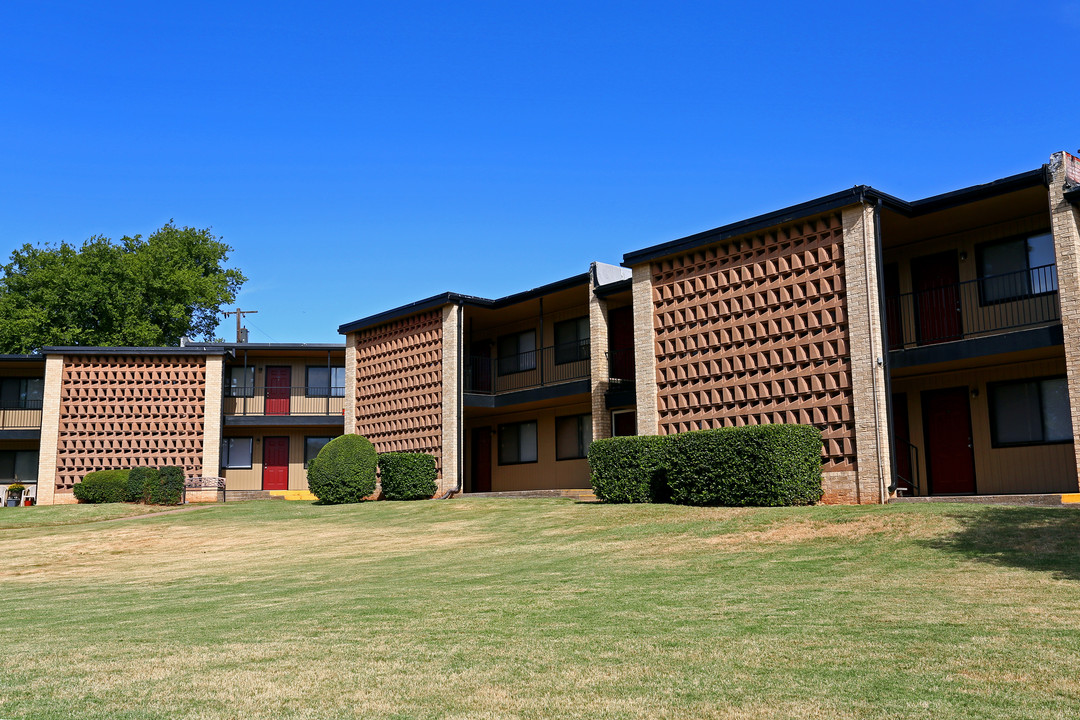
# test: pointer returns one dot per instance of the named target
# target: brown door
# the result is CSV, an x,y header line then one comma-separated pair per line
x,y
481,459
275,463
950,461
621,343
902,444
935,280
278,380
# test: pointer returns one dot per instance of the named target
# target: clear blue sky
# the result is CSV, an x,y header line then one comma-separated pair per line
x,y
361,155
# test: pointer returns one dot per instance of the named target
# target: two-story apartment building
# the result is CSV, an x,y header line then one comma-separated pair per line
x,y
935,343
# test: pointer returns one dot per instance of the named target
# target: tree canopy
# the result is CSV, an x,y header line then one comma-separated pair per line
x,y
140,291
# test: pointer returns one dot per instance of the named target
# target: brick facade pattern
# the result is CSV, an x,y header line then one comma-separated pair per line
x,y
124,411
754,331
399,385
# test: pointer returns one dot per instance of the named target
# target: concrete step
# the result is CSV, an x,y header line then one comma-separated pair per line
x,y
582,494
239,495
1030,500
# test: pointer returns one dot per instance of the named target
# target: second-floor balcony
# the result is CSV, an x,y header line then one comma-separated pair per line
x,y
542,367
285,401
974,308
21,415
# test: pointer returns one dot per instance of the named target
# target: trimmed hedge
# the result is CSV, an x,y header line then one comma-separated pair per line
x,y
408,476
343,471
629,469
102,486
170,487
141,483
759,465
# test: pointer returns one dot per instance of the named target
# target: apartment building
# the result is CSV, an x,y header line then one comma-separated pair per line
x,y
934,342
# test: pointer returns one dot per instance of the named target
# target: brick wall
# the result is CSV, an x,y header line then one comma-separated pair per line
x,y
754,331
399,384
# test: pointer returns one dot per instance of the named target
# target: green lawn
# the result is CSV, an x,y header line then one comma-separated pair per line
x,y
542,609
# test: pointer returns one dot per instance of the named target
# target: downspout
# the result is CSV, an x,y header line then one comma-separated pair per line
x,y
889,428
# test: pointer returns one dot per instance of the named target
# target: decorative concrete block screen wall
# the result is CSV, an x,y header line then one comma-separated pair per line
x,y
399,385
119,411
754,331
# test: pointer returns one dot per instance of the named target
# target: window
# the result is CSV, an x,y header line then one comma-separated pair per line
x,y
517,443
571,340
20,465
240,381
1016,268
623,423
325,382
517,352
573,435
236,453
312,446
1029,412
21,393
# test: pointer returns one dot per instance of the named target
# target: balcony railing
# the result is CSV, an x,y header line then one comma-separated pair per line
x,y
24,415
534,368
985,306
285,401
621,368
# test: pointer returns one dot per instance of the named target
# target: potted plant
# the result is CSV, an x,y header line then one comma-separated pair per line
x,y
14,493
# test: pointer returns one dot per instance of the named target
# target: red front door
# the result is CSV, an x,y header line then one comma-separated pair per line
x,y
950,462
481,459
935,280
276,463
277,390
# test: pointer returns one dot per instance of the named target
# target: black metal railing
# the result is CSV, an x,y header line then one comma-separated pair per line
x,y
531,369
907,468
21,415
621,368
284,401
983,306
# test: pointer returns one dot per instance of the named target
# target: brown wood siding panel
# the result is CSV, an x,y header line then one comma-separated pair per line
x,y
1032,469
754,331
130,411
399,385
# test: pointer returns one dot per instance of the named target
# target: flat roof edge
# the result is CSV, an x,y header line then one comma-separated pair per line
x,y
98,350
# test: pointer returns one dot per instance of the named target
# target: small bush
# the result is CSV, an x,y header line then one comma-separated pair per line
x,y
141,483
102,486
629,469
170,487
760,465
408,476
343,471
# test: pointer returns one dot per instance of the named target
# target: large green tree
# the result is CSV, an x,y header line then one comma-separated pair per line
x,y
140,291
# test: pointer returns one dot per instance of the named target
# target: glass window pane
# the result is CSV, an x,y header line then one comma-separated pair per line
x,y
585,423
26,464
1004,271
567,438
7,464
312,446
509,443
9,393
527,447
318,381
241,381
1016,413
1057,421
527,350
1040,249
337,384
237,452
34,390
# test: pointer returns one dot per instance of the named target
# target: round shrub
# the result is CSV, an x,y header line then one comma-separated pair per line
x,y
102,486
629,469
141,483
408,476
170,487
343,471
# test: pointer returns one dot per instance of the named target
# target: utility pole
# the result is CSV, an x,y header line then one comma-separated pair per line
x,y
239,315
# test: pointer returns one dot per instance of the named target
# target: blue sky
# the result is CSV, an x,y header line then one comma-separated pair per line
x,y
362,155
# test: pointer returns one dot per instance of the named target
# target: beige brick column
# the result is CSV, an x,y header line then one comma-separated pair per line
x,y
212,418
350,384
866,352
50,429
451,397
598,366
648,417
1066,227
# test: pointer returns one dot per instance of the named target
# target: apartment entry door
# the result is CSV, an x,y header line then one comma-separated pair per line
x,y
278,380
936,282
950,459
275,463
481,459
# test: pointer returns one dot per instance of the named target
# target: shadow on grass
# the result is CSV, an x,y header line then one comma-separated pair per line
x,y
1043,539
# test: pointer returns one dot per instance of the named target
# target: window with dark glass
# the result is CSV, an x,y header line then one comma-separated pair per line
x,y
312,446
21,393
325,381
517,443
18,465
236,453
1029,412
517,352
571,340
1016,268
240,381
573,435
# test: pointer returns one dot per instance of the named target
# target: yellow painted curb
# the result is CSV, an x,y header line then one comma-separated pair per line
x,y
293,494
1069,498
